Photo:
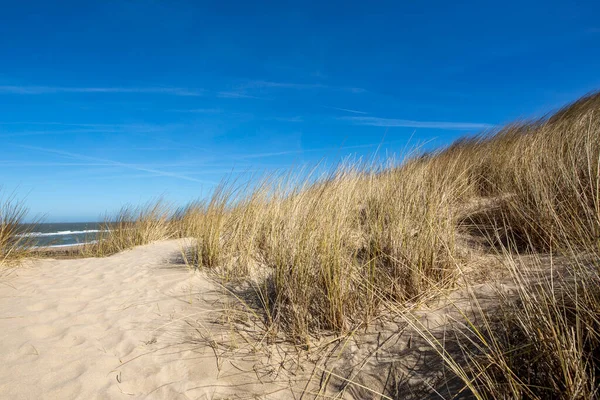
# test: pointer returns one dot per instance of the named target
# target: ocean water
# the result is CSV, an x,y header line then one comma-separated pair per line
x,y
62,234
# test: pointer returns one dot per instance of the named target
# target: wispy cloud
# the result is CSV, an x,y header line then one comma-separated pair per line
x,y
143,127
59,132
244,91
76,128
38,90
51,164
92,129
229,172
143,130
261,84
283,85
346,110
207,168
134,167
141,176
313,150
50,123
238,95
404,123
199,110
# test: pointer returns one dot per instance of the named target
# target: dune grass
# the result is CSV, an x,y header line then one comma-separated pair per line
x,y
543,340
324,245
540,340
15,244
131,226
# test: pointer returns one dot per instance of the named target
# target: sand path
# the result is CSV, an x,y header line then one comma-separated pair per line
x,y
112,328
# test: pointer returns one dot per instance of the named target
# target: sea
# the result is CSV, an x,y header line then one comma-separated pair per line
x,y
62,234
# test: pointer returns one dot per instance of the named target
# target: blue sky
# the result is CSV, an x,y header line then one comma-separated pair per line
x,y
106,103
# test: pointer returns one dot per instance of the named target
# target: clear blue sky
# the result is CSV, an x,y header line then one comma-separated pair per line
x,y
112,102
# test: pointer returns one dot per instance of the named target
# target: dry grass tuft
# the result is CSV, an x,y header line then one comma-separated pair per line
x,y
132,226
321,246
543,338
546,175
15,244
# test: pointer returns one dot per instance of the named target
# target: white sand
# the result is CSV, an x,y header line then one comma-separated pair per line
x,y
140,325
114,328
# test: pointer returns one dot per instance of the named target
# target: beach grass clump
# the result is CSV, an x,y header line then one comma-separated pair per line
x,y
130,227
324,245
547,343
331,248
225,227
545,178
539,340
556,182
15,241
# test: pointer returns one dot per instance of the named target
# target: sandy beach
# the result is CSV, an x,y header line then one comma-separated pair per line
x,y
113,328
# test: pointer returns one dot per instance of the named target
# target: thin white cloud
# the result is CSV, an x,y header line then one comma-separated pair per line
x,y
229,171
113,163
346,110
404,123
144,130
140,176
238,95
283,85
156,148
38,90
51,123
59,132
299,151
260,84
199,110
144,127
51,164
211,167
77,128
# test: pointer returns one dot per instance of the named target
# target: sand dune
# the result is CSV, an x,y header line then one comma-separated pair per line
x,y
114,328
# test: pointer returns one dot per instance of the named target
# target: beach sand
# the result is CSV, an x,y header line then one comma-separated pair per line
x,y
139,324
116,327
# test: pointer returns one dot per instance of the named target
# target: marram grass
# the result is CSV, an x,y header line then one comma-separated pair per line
x,y
15,244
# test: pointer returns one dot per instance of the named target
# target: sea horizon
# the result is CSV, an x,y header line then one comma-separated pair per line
x,y
61,234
